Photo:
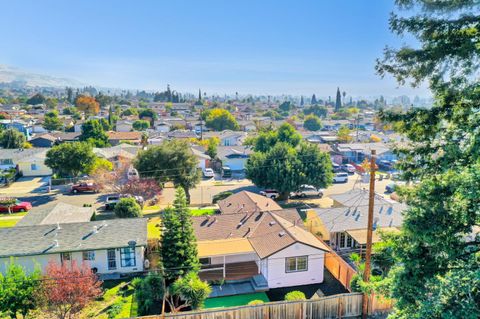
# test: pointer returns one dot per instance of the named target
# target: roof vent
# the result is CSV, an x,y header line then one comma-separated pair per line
x,y
272,223
281,234
55,243
95,229
357,217
58,225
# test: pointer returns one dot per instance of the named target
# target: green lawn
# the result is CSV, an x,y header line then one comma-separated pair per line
x,y
237,300
4,223
153,231
202,211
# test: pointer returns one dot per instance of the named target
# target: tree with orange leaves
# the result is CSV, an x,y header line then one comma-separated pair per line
x,y
87,104
68,288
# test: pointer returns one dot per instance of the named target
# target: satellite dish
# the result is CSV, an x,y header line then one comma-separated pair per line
x,y
132,243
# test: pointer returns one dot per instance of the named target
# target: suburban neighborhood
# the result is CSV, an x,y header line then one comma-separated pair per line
x,y
303,189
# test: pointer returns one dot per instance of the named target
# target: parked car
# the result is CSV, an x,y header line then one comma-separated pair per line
x,y
307,190
349,168
18,207
270,193
336,168
84,187
386,165
226,172
208,172
390,188
340,178
112,200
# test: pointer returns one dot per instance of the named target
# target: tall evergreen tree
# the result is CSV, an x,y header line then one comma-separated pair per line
x,y
302,102
314,100
199,95
179,247
338,101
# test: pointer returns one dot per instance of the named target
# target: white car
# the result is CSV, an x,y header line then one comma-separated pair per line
x,y
208,172
270,193
349,168
340,178
307,190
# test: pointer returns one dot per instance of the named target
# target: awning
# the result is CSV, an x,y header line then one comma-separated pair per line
x,y
224,247
360,235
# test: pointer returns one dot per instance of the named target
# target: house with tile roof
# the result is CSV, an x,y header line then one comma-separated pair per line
x,y
111,247
266,249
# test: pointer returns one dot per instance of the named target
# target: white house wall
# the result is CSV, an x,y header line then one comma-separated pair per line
x,y
278,277
100,262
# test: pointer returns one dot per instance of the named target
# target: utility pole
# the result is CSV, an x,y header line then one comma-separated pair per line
x,y
371,202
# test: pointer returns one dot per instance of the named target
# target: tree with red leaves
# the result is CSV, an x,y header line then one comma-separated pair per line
x,y
68,288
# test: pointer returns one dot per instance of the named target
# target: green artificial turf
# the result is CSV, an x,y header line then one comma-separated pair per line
x,y
237,300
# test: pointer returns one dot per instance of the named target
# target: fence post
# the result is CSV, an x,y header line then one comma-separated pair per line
x,y
340,307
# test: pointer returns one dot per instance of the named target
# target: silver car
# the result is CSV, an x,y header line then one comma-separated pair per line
x,y
307,190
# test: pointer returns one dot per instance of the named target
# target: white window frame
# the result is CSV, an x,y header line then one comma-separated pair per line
x,y
297,269
88,255
132,256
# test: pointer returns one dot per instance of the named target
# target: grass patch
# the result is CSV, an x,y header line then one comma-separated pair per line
x,y
5,223
14,214
153,231
202,211
237,300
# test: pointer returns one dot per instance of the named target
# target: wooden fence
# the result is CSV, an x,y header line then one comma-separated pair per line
x,y
337,306
339,268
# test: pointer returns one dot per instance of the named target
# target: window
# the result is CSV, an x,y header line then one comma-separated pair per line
x,y
294,264
342,240
34,167
127,257
112,259
205,261
88,255
6,161
349,241
65,257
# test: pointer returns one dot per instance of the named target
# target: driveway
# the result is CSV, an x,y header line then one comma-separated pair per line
x,y
26,185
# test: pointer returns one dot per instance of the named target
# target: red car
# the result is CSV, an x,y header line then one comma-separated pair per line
x,y
18,207
84,187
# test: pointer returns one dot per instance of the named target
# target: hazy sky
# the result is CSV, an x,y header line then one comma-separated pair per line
x,y
249,46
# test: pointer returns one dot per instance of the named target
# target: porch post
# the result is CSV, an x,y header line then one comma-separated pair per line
x,y
224,270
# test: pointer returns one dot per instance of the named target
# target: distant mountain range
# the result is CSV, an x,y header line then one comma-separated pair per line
x,y
10,74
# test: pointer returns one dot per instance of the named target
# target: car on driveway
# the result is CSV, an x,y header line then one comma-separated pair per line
x,y
306,191
84,187
340,178
112,200
270,193
208,172
390,188
18,207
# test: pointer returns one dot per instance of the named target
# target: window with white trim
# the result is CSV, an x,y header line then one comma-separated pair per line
x,y
294,264
88,255
127,257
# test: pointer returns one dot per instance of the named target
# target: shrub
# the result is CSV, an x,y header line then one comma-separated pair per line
x,y
295,295
256,302
128,208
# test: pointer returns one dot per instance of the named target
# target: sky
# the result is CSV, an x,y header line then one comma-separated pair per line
x,y
249,46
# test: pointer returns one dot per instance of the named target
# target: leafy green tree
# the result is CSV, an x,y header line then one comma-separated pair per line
x,y
343,134
105,124
36,99
70,159
148,114
128,208
141,125
51,103
220,119
212,147
130,111
11,138
18,290
320,111
312,123
267,139
433,248
189,291
285,167
149,292
286,106
94,133
171,161
51,121
179,247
